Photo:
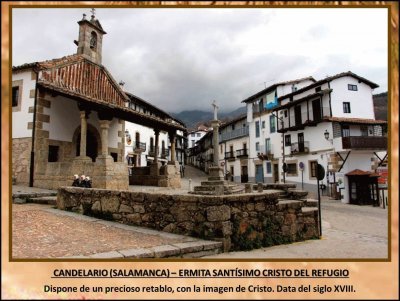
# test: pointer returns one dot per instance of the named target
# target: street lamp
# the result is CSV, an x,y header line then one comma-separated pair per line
x,y
284,168
326,134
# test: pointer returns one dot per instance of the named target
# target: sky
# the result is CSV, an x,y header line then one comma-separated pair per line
x,y
183,59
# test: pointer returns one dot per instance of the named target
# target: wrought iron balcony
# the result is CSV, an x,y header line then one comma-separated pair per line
x,y
364,142
230,155
139,146
242,153
164,153
299,148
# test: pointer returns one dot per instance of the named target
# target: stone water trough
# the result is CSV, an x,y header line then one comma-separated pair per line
x,y
240,221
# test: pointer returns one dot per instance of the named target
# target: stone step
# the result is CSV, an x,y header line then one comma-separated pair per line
x,y
310,203
204,188
191,249
309,209
51,200
23,197
215,179
219,182
296,194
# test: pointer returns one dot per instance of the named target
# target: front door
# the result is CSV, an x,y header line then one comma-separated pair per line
x,y
276,173
259,174
244,178
300,140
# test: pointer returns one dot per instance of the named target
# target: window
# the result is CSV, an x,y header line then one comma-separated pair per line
x,y
192,143
257,129
233,127
15,96
352,87
317,89
346,107
198,134
294,88
345,131
288,141
292,168
268,166
257,146
263,125
151,144
268,145
193,135
220,148
272,126
53,153
285,112
313,169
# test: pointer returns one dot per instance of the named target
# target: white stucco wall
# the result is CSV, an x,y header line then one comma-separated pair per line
x,y
145,134
21,118
361,102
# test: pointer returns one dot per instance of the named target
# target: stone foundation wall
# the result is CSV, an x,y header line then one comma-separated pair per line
x,y
21,158
241,222
107,175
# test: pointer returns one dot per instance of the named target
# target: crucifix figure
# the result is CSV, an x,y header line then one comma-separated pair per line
x,y
214,104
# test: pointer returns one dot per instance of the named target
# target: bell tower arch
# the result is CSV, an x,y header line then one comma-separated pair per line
x,y
90,39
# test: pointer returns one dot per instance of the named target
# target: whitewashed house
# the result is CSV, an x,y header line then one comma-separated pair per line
x,y
331,122
234,149
140,140
265,146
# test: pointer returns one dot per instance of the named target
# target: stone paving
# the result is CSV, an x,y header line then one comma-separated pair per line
x,y
40,231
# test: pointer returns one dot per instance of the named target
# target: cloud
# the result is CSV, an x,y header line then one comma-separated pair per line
x,y
183,59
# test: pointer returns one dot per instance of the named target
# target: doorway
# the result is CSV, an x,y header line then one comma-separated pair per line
x,y
276,173
259,174
244,178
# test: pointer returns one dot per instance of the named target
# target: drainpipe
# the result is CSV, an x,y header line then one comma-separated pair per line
x,y
32,163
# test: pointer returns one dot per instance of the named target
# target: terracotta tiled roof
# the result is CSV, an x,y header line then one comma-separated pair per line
x,y
355,120
359,172
81,76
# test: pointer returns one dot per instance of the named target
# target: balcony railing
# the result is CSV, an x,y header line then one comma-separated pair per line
x,y
229,155
162,153
304,119
364,142
139,146
241,132
300,148
242,153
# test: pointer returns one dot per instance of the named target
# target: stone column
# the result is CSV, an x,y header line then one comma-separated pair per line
x,y
157,134
172,139
104,125
215,126
82,152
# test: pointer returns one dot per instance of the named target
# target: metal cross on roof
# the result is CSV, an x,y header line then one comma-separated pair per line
x,y
93,11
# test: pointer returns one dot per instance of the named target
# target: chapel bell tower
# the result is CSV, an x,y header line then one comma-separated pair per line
x,y
90,38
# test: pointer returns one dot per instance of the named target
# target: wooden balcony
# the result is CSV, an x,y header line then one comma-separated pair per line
x,y
299,148
364,142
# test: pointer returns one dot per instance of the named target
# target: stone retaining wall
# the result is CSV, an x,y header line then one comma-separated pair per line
x,y
241,222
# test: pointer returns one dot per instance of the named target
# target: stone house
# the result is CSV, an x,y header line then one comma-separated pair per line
x,y
68,117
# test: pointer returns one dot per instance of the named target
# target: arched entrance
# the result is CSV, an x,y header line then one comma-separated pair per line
x,y
93,142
